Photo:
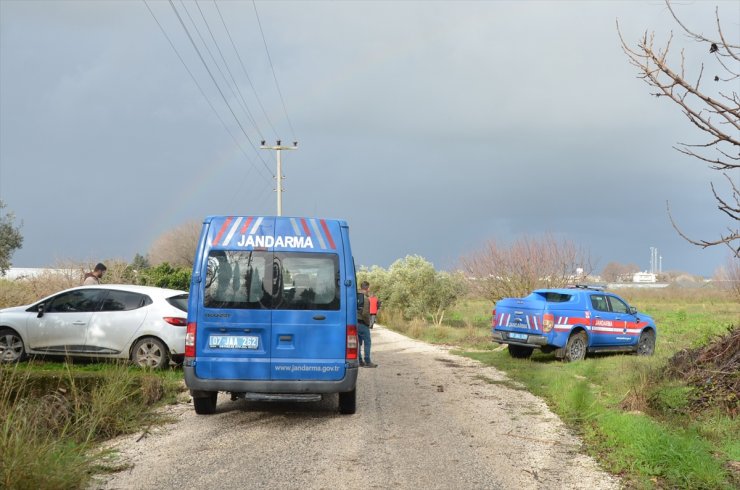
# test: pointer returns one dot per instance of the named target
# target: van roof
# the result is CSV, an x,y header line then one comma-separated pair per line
x,y
274,233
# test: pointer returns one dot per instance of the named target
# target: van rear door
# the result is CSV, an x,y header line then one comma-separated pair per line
x,y
235,320
309,315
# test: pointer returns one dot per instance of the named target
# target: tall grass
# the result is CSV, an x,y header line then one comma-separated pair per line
x,y
50,423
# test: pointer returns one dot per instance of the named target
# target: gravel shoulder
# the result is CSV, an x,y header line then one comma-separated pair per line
x,y
425,418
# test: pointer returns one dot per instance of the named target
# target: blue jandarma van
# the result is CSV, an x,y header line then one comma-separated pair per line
x,y
272,311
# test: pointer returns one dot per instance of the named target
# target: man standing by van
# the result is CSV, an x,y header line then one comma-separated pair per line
x,y
363,326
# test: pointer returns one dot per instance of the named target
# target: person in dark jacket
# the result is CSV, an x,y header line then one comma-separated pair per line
x,y
93,278
363,327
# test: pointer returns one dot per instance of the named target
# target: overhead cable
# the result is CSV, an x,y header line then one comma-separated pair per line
x,y
210,104
244,104
238,122
273,70
241,62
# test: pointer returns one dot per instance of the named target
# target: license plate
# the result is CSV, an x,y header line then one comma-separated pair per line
x,y
518,336
233,342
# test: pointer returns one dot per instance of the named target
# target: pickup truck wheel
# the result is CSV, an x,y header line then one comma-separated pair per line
x,y
520,352
646,345
348,402
575,349
206,405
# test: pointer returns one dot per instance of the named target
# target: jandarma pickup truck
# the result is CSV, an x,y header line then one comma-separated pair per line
x,y
571,322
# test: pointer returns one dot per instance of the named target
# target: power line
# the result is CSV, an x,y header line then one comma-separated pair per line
x,y
226,65
273,69
192,41
218,67
264,112
210,104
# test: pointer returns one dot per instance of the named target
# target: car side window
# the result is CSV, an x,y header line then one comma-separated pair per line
x,y
618,306
81,300
598,301
124,301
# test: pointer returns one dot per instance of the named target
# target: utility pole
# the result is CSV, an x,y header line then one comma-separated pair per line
x,y
278,148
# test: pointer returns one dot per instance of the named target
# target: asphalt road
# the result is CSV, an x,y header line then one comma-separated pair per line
x,y
425,419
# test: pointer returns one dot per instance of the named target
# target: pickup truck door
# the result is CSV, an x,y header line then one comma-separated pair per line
x,y
624,320
606,326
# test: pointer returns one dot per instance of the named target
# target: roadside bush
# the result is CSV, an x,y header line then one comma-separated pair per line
x,y
414,288
166,276
51,421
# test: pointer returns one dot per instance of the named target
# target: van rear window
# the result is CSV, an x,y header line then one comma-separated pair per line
x,y
245,279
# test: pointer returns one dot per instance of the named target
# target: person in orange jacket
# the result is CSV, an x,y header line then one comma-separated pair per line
x,y
374,306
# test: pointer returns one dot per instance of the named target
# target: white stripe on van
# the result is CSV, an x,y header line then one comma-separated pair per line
x,y
256,225
296,230
233,229
317,232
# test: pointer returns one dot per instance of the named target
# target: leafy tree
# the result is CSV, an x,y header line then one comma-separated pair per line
x,y
140,263
419,291
714,109
10,239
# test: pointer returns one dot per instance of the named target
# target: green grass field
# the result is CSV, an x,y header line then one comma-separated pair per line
x,y
638,423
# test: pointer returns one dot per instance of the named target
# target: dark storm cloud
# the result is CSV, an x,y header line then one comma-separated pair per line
x,y
430,127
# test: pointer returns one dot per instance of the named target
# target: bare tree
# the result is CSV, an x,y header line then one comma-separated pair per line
x,y
616,272
728,276
718,116
176,246
496,272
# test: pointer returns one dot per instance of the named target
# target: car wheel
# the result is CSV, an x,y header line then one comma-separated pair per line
x,y
11,346
575,349
206,405
150,353
348,402
646,344
520,352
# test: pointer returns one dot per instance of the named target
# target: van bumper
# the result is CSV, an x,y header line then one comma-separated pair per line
x,y
282,386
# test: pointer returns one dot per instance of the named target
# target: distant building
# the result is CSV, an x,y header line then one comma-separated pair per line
x,y
644,277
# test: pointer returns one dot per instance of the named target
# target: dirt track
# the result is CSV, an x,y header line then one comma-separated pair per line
x,y
425,419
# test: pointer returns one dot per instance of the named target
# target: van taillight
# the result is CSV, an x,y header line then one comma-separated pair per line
x,y
548,321
493,318
351,342
190,340
176,321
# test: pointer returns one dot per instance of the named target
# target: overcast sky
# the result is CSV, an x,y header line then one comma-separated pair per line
x,y
430,127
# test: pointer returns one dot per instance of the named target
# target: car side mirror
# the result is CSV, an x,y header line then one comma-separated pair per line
x,y
360,301
633,310
41,310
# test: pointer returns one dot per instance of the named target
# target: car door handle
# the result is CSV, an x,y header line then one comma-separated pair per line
x,y
79,323
319,317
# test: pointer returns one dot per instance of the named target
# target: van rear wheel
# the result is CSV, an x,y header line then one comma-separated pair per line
x,y
206,405
348,402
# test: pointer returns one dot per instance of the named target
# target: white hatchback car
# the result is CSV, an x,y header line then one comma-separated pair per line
x,y
142,323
